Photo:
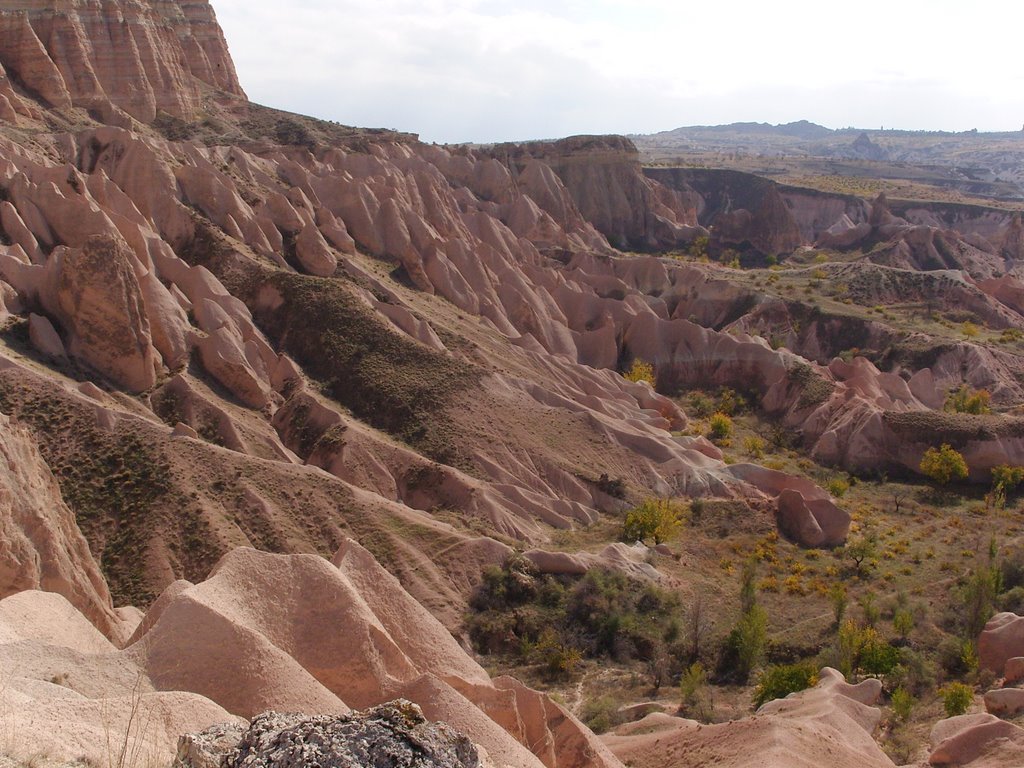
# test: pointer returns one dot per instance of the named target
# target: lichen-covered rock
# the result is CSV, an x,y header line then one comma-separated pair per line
x,y
393,735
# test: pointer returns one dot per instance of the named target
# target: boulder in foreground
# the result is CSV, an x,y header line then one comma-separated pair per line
x,y
392,735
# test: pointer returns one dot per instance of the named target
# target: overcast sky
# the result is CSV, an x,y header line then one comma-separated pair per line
x,y
483,70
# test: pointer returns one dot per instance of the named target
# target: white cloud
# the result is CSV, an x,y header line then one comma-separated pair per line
x,y
483,70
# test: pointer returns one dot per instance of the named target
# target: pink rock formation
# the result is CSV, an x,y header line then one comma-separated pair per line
x,y
103,312
146,58
1001,640
834,719
67,691
976,740
272,631
43,547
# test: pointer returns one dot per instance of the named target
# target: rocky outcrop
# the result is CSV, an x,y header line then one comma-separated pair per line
x,y
603,178
742,210
296,632
103,312
1001,640
834,718
67,690
392,735
976,740
43,547
128,59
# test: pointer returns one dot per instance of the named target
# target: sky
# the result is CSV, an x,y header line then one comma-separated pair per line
x,y
486,71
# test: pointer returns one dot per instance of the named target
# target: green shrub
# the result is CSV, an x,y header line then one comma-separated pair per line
x,y
730,402
943,464
903,622
754,446
748,640
701,405
862,649
838,597
838,487
655,519
640,370
1012,600
902,704
956,698
1007,477
915,673
601,714
779,681
558,660
720,426
695,700
967,400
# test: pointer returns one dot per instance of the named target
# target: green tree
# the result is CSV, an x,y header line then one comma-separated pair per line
x,y
751,634
956,698
840,599
654,519
902,703
967,400
779,681
943,464
695,700
861,549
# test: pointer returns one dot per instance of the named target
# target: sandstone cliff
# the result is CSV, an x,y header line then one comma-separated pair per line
x,y
134,58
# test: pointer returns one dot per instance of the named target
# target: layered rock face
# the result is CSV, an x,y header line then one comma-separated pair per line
x,y
602,175
139,58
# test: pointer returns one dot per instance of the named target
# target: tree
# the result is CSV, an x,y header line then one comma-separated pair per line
x,y
750,636
861,550
654,519
698,626
778,681
839,599
943,464
966,400
956,698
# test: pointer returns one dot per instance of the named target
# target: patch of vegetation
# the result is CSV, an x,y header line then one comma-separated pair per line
x,y
957,429
778,681
655,519
943,464
603,614
112,481
967,400
640,370
386,379
815,389
174,128
957,698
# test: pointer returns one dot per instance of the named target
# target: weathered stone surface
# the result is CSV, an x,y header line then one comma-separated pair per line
x,y
146,57
812,522
43,547
392,735
44,337
1013,671
103,312
1004,702
1001,640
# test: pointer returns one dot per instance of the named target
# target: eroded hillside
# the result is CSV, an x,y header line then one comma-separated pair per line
x,y
227,326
